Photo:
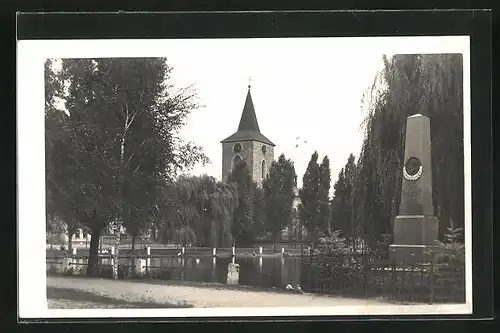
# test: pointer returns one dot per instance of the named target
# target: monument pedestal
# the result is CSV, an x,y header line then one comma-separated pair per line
x,y
413,236
410,254
415,230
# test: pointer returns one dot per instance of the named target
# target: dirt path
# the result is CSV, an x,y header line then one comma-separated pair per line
x,y
199,297
71,304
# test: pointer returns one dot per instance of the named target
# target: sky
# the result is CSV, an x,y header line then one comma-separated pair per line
x,y
309,88
306,88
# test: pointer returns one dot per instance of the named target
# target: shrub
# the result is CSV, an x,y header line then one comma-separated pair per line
x,y
163,274
70,271
451,250
332,244
52,270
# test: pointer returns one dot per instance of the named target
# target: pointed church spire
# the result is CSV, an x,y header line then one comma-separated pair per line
x,y
248,121
248,129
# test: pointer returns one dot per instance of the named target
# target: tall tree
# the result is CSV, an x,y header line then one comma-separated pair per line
x,y
309,197
341,203
122,119
243,218
259,214
60,187
278,196
324,216
408,84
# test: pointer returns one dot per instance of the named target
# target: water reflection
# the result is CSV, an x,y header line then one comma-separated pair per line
x,y
256,271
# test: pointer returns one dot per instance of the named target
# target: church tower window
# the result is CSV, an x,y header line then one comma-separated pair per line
x,y
263,169
236,160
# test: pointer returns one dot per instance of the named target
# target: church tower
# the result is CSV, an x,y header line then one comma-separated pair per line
x,y
248,144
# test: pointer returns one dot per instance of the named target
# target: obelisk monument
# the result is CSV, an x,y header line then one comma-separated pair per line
x,y
416,227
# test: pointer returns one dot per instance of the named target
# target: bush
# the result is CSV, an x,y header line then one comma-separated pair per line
x,y
106,272
52,270
163,274
70,271
332,245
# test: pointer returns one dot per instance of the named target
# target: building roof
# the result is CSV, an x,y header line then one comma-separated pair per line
x,y
248,129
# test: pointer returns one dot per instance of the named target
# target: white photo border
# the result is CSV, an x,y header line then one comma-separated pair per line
x,y
31,55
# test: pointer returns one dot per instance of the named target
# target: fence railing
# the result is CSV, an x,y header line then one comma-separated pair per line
x,y
364,275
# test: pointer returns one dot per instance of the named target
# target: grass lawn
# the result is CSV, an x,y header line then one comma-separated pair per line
x,y
73,298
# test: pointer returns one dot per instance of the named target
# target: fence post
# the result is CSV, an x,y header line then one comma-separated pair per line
x,y
310,273
365,275
112,255
432,291
393,278
148,259
412,280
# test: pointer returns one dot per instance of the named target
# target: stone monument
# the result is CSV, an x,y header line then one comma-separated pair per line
x,y
233,274
416,227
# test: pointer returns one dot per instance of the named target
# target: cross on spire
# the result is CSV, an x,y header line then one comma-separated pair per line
x,y
249,82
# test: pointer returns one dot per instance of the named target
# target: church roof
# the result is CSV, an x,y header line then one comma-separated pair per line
x,y
248,130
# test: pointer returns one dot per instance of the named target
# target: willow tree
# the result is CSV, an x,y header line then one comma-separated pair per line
x,y
198,210
431,85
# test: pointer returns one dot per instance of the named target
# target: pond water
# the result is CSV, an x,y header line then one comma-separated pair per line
x,y
258,271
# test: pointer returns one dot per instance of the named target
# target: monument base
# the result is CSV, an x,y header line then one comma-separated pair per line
x,y
410,254
415,229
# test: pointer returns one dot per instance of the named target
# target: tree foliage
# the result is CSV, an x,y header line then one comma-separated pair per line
x,y
278,196
243,218
116,141
259,216
198,210
324,213
341,203
314,197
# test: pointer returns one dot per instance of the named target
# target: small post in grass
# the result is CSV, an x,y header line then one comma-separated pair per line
x,y
112,261
148,259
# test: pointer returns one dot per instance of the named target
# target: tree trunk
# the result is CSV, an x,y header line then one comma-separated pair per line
x,y
133,242
115,256
93,251
70,242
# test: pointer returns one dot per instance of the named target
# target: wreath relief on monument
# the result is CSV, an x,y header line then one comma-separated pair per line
x,y
412,169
